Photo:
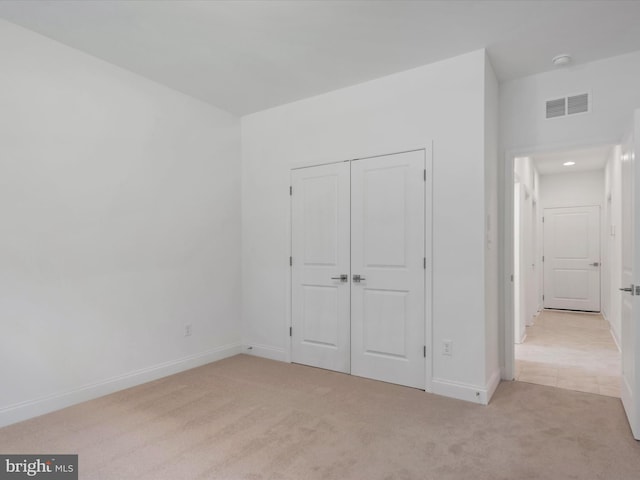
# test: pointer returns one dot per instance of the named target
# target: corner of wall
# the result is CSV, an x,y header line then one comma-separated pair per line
x,y
492,295
266,351
468,392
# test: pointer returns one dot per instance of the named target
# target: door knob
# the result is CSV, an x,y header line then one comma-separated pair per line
x,y
343,278
629,289
357,278
595,264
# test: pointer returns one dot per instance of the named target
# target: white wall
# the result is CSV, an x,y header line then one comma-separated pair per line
x,y
120,206
572,189
519,321
527,175
612,243
527,278
444,103
613,84
491,94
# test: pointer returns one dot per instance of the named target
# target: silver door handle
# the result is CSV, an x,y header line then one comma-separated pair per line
x,y
343,278
595,264
633,289
357,278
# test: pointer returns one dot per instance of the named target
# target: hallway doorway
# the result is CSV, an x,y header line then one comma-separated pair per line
x,y
566,329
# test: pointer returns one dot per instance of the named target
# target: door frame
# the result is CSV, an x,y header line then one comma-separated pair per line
x,y
506,349
427,149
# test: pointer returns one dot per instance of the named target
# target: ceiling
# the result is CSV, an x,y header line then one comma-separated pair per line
x,y
585,160
246,56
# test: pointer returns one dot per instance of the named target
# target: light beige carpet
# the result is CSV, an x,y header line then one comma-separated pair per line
x,y
250,418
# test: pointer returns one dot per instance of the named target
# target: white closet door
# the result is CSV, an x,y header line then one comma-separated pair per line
x,y
387,252
320,249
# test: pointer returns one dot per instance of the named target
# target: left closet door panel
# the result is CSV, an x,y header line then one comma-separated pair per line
x,y
320,272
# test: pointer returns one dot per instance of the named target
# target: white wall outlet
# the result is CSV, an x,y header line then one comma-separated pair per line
x,y
447,347
187,330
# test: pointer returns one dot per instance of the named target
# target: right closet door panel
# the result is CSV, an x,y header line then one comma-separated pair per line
x,y
387,268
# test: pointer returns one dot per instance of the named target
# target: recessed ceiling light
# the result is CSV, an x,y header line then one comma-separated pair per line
x,y
561,60
568,164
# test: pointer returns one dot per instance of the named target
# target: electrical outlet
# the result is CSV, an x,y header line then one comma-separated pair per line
x,y
447,347
187,330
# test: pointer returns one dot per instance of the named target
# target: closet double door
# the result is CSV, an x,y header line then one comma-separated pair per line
x,y
358,267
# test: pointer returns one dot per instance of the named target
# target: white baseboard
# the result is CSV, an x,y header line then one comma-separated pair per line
x,y
39,406
535,316
628,400
615,339
504,376
465,391
522,339
492,385
605,315
265,351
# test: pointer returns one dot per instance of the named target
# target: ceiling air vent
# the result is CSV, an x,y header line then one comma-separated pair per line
x,y
578,104
556,108
570,105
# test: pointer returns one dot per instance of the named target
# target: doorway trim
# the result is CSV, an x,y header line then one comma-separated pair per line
x,y
506,242
427,150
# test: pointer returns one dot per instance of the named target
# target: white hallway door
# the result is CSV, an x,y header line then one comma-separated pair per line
x,y
365,316
572,258
630,276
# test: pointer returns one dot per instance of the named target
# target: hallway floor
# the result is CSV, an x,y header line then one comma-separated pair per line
x,y
570,350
